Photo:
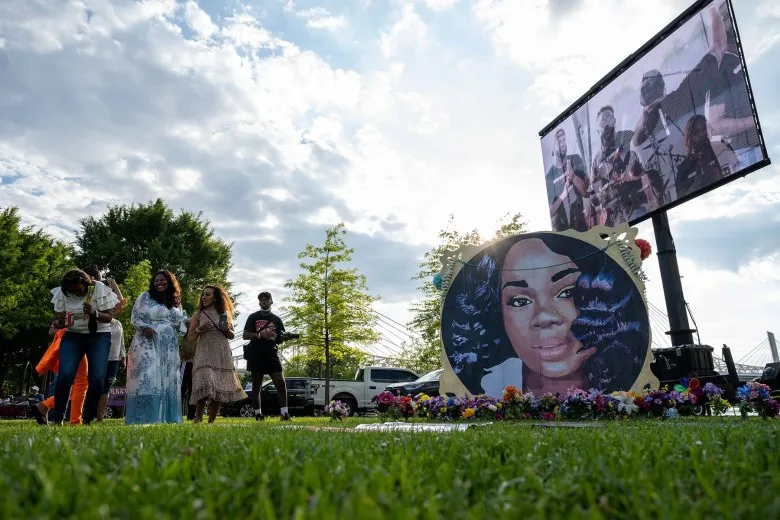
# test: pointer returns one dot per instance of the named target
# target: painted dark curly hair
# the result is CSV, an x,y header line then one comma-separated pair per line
x,y
612,315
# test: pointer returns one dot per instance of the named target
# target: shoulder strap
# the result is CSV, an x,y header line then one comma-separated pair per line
x,y
212,321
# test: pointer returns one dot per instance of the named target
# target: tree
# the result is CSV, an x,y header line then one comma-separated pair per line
x,y
184,244
330,304
424,354
31,263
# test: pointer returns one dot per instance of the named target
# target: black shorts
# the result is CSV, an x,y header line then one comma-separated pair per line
x,y
263,363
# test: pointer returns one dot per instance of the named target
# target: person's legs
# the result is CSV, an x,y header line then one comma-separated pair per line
x,y
281,394
111,370
79,392
213,410
257,382
71,352
52,386
186,392
97,350
199,410
43,408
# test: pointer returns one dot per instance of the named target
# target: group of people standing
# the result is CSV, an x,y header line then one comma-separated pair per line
x,y
89,348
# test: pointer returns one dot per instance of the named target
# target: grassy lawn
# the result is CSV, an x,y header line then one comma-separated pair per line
x,y
685,468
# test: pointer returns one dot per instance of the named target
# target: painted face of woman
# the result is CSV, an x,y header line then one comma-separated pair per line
x,y
160,283
207,297
537,290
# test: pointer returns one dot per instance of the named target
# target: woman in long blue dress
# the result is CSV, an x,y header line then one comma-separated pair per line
x,y
153,377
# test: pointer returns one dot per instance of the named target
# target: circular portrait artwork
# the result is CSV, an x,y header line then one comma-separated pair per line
x,y
545,312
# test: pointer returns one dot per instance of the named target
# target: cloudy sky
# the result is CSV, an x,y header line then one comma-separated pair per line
x,y
277,118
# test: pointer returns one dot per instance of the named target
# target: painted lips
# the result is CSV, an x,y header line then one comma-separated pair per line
x,y
551,349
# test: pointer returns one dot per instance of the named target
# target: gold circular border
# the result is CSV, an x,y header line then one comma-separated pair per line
x,y
617,242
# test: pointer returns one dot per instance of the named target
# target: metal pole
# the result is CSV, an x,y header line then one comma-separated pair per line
x,y
679,329
773,347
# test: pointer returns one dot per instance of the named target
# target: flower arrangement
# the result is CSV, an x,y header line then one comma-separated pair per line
x,y
576,404
336,410
756,397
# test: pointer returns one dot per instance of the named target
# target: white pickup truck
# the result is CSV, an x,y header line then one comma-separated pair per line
x,y
356,394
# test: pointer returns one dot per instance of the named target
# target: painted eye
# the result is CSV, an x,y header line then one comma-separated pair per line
x,y
519,301
567,292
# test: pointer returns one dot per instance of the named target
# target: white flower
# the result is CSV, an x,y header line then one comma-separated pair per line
x,y
626,404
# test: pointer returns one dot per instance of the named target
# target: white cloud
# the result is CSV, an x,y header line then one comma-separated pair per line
x,y
439,5
327,216
320,18
410,30
768,8
199,20
569,52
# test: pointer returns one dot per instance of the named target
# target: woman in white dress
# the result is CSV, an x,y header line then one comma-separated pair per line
x,y
153,378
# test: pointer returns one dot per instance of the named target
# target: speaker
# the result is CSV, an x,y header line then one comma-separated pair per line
x,y
672,364
771,376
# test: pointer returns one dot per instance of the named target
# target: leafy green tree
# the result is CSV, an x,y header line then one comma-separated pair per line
x,y
31,264
424,354
182,243
331,305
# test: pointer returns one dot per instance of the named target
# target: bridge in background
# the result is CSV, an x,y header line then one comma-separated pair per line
x,y
749,366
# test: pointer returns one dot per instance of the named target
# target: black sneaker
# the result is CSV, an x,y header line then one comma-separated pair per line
x,y
259,417
285,417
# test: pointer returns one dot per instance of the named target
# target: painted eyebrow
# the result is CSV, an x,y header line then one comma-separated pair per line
x,y
554,278
561,274
515,283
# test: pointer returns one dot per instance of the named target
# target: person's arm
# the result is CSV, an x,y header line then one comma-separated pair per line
x,y
230,333
249,330
111,283
140,316
58,302
53,328
194,329
102,304
279,330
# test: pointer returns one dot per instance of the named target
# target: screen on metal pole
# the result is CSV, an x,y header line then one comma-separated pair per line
x,y
673,121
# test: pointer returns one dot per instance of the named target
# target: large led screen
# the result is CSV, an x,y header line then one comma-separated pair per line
x,y
670,123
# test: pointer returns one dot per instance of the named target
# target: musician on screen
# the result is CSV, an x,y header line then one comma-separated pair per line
x,y
568,188
659,139
620,189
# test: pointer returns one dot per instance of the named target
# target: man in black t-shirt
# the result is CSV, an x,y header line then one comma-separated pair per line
x,y
264,329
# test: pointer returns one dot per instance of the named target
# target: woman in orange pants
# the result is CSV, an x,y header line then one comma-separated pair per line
x,y
78,392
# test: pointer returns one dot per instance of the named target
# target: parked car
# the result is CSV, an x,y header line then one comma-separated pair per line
x,y
427,384
300,400
357,394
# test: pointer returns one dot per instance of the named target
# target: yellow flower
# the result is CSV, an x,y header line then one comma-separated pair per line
x,y
468,413
423,398
443,409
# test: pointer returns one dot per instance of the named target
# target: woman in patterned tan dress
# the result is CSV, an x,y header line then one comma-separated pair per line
x,y
214,376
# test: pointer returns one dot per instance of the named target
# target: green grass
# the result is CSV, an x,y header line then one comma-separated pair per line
x,y
698,468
